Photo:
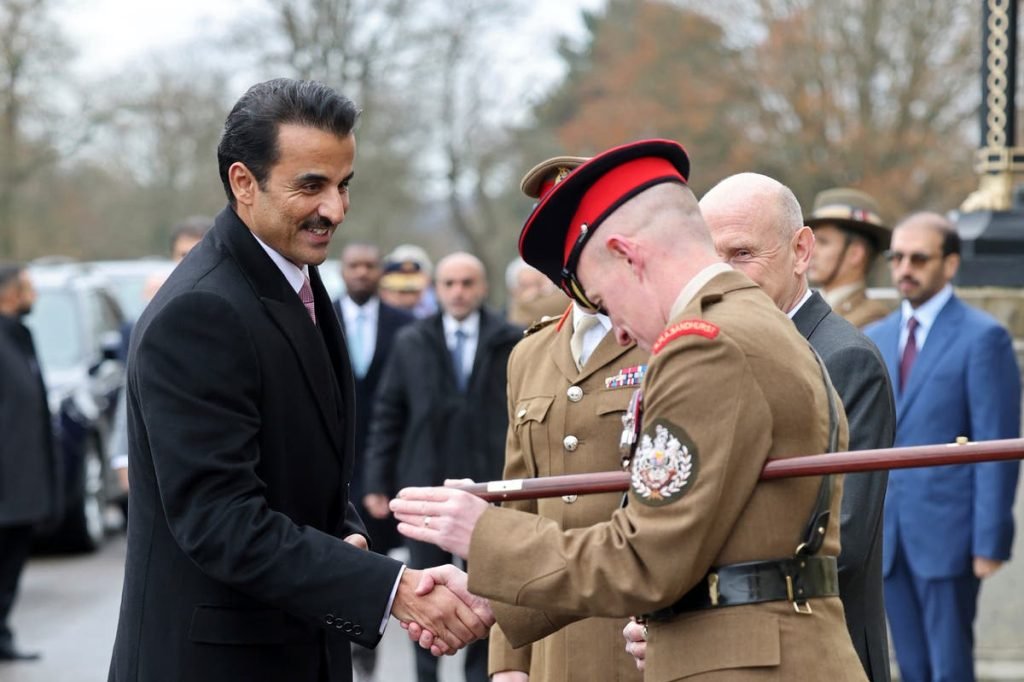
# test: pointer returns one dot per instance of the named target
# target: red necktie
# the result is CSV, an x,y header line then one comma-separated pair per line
x,y
306,294
909,352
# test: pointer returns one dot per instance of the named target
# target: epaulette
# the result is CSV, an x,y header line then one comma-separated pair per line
x,y
545,321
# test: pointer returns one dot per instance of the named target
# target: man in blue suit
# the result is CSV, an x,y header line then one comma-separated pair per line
x,y
946,528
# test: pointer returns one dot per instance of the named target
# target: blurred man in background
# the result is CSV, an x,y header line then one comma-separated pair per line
x,y
440,411
531,295
28,473
946,528
849,234
184,236
402,285
415,294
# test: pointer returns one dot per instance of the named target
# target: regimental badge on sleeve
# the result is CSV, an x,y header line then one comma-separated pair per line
x,y
665,464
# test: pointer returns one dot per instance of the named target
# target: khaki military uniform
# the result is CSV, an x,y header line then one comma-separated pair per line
x,y
739,388
859,310
567,421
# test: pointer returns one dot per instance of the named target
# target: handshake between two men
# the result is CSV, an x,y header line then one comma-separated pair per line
x,y
435,605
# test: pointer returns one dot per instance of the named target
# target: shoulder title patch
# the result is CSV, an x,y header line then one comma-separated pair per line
x,y
684,328
665,464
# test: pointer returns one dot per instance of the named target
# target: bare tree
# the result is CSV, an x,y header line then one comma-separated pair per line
x,y
873,93
31,49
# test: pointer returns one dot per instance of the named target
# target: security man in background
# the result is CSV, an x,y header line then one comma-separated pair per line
x,y
569,383
848,235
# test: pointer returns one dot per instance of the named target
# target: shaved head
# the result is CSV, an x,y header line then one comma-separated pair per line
x,y
758,200
757,226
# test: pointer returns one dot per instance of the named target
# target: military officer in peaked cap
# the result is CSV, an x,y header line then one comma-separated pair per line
x,y
849,233
736,577
569,383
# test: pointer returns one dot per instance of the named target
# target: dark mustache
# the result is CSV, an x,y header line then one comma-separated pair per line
x,y
317,222
908,280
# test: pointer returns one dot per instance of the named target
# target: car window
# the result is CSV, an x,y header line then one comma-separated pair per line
x,y
55,321
110,314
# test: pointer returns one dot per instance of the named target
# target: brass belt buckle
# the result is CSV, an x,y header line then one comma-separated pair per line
x,y
801,607
713,588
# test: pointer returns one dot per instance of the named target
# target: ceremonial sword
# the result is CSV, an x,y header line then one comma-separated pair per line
x,y
961,452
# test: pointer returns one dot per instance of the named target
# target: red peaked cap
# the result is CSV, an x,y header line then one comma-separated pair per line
x,y
591,193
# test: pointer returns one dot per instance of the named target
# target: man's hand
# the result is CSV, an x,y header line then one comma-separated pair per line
x,y
357,540
377,505
985,567
510,676
636,641
458,582
440,516
451,622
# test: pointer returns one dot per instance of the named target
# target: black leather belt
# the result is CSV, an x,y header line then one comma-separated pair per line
x,y
794,580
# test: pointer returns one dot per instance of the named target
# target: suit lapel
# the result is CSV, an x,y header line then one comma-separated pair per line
x,y
436,337
286,310
488,327
941,338
810,315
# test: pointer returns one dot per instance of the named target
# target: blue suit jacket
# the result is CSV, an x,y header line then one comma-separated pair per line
x,y
964,382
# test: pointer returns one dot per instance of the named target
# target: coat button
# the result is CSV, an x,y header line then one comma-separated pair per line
x,y
571,443
329,619
575,394
568,499
357,630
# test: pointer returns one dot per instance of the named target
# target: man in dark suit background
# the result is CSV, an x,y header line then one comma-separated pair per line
x,y
245,557
370,326
440,410
28,471
758,228
946,528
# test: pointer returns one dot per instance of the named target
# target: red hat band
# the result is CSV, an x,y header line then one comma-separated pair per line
x,y
611,190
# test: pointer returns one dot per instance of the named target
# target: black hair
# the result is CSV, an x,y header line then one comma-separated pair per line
x,y
194,226
9,272
250,131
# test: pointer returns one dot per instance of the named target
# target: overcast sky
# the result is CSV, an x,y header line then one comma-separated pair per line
x,y
110,33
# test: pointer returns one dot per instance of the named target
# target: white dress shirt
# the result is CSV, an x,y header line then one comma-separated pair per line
x,y
470,326
925,314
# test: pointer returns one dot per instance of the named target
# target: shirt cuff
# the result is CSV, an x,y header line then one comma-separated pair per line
x,y
391,601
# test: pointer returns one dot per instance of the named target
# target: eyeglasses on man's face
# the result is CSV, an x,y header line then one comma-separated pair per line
x,y
915,258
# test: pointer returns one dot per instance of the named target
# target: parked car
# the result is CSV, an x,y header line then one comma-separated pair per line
x,y
77,326
128,280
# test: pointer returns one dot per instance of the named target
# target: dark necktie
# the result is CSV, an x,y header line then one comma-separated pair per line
x,y
458,352
909,352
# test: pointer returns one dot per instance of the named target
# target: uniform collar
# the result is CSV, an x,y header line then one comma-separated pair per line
x,y
695,285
